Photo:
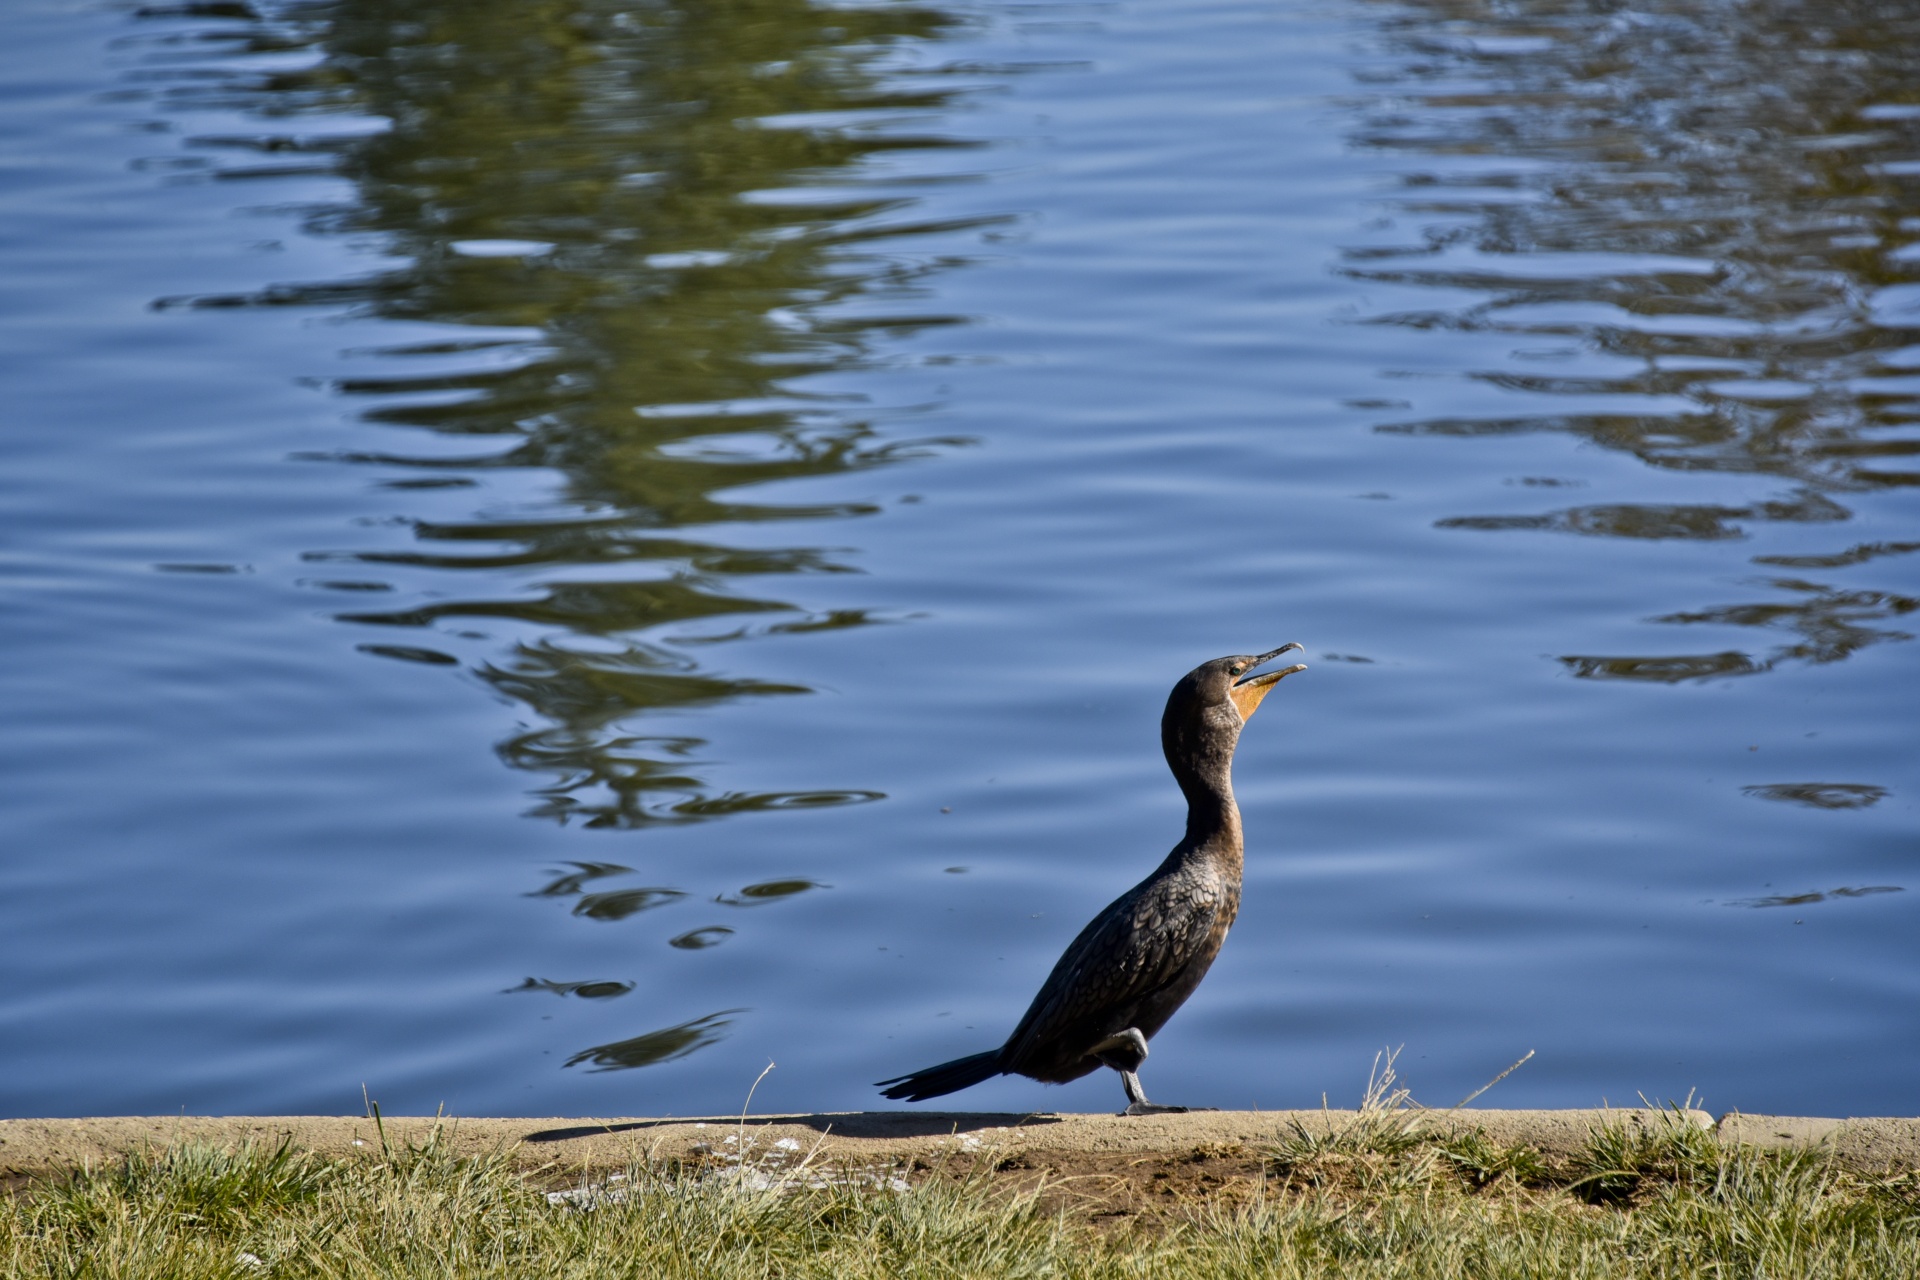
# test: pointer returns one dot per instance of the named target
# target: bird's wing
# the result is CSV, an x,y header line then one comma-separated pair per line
x,y
1140,945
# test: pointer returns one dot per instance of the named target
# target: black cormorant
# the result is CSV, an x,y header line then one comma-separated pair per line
x,y
1140,959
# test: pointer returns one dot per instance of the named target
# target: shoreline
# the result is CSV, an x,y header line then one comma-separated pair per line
x,y
34,1149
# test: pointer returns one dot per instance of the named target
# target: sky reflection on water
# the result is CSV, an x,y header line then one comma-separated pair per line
x,y
1710,217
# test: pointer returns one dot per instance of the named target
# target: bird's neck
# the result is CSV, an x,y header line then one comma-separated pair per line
x,y
1203,766
1213,824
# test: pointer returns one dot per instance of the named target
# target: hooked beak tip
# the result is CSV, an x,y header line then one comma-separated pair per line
x,y
1270,676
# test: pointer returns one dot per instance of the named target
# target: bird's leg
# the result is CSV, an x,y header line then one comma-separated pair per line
x,y
1137,1104
1124,1052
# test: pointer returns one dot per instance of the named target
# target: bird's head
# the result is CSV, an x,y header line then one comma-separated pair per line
x,y
1248,685
1238,682
1212,701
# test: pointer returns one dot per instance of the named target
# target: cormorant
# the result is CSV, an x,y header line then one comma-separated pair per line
x,y
1140,959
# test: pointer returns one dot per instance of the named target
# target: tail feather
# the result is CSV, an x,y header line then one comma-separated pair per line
x,y
948,1077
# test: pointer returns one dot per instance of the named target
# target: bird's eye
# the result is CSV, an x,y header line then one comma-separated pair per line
x,y
1237,668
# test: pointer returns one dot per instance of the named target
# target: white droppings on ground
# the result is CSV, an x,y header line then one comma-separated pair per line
x,y
773,1169
587,1197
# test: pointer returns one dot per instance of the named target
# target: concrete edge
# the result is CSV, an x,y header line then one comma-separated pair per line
x,y
565,1146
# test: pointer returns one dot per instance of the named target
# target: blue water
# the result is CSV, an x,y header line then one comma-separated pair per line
x,y
554,558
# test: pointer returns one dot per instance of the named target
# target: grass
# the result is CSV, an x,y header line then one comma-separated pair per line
x,y
1379,1197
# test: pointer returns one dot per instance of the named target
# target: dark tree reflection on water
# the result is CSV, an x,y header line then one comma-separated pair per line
x,y
1713,207
593,190
656,1047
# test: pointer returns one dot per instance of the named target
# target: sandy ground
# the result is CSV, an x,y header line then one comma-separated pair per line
x,y
1117,1166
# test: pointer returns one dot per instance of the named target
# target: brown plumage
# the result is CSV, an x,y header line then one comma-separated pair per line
x,y
1140,959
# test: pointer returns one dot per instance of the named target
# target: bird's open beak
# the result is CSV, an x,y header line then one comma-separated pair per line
x,y
1249,690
